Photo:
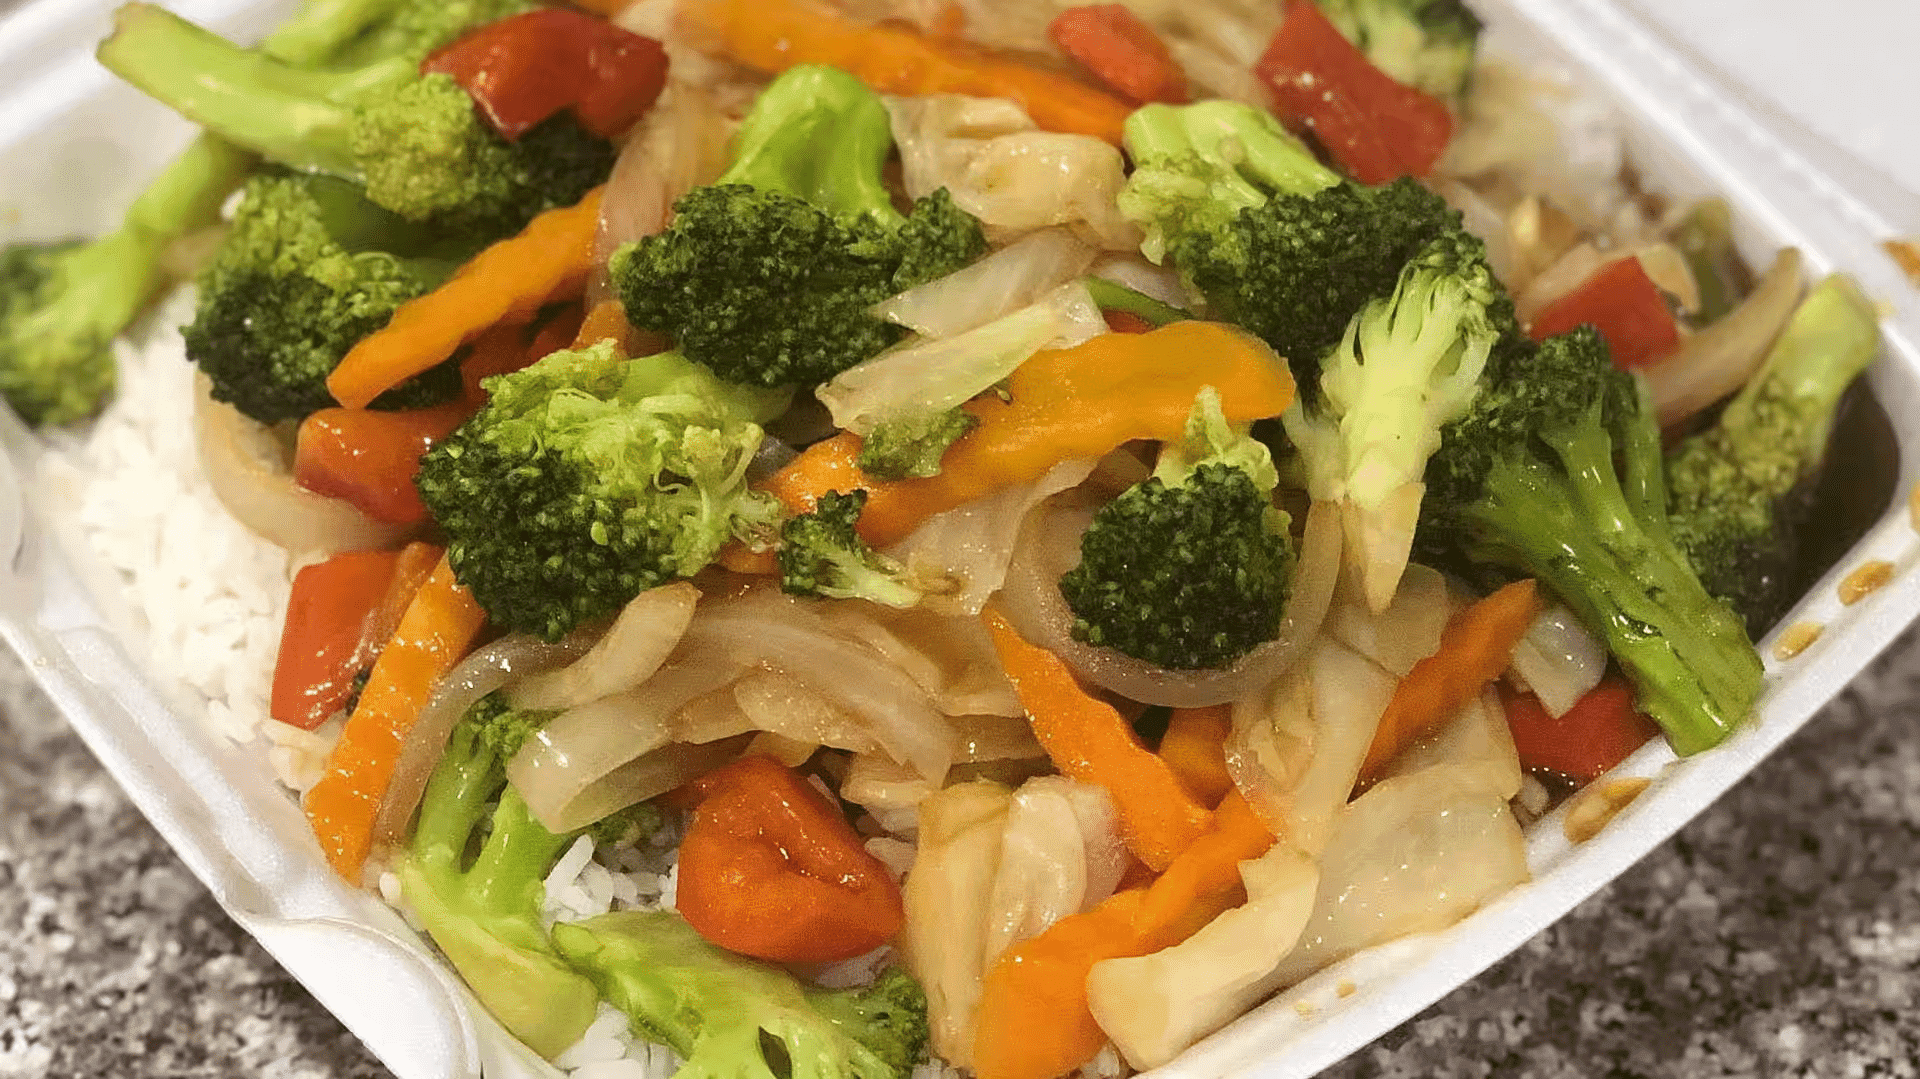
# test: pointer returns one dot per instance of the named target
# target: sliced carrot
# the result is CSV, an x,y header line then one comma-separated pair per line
x,y
1474,649
774,35
438,629
1195,748
508,282
1033,1021
1062,404
605,321
1089,741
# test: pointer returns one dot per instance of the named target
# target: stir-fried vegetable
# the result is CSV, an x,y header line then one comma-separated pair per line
x,y
799,492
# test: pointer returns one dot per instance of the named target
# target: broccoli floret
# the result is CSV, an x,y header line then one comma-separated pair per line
x,y
726,1015
1739,488
1189,568
1554,472
588,478
1407,366
484,910
1426,44
913,447
61,305
1276,243
821,554
766,277
501,727
416,142
308,269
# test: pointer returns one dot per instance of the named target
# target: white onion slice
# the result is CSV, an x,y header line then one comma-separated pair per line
x,y
997,285
1559,660
634,647
578,752
680,144
763,628
648,776
473,678
1160,282
1719,359
249,472
1049,547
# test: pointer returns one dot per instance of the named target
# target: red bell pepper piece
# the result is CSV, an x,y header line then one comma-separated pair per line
x,y
1624,304
368,458
1376,128
339,615
1599,731
1125,321
522,70
1121,51
770,869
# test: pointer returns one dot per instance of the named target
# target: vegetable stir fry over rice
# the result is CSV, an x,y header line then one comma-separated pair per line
x,y
835,541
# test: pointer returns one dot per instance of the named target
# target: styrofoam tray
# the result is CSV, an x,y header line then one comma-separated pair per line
x,y
77,146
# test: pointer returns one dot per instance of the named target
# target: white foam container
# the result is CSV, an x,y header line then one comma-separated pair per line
x,y
75,146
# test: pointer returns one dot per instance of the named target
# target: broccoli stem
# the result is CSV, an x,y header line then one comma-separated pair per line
x,y
297,117
1575,529
318,28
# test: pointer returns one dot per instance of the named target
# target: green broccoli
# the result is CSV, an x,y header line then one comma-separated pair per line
x,y
415,142
587,479
308,269
1189,568
913,447
1407,366
1739,488
1554,472
766,277
484,910
61,305
733,1018
822,555
1426,44
1276,242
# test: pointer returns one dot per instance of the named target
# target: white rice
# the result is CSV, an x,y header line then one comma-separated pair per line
x,y
204,597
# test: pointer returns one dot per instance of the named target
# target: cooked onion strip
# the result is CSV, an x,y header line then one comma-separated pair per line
x,y
250,474
681,144
638,642
1719,359
476,676
1049,547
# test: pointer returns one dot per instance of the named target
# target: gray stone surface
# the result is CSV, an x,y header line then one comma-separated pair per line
x,y
1778,935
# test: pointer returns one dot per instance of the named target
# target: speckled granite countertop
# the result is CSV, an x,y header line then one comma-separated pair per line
x,y
1778,935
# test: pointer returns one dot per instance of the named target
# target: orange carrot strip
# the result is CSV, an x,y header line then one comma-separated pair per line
x,y
439,627
508,282
774,35
1069,403
1033,1021
606,321
1090,742
1475,648
1195,748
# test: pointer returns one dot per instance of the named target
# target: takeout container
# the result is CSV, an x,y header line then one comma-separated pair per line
x,y
76,146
